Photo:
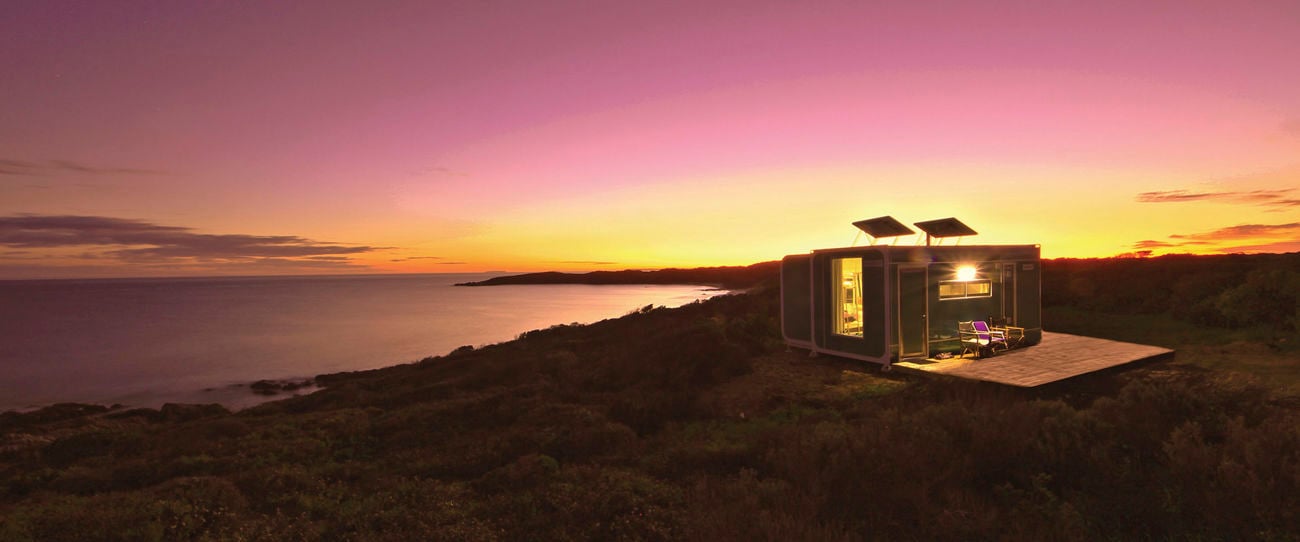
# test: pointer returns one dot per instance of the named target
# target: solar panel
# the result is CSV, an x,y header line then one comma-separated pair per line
x,y
883,226
945,227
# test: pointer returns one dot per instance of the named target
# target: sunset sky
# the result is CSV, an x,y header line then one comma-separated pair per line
x,y
200,138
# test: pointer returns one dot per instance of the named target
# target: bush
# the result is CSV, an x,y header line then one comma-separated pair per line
x,y
1269,297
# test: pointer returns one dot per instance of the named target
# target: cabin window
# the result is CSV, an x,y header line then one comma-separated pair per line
x,y
964,289
846,287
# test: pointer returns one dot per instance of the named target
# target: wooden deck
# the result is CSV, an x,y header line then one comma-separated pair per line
x,y
1059,356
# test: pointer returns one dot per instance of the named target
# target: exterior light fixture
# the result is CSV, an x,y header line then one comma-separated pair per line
x,y
966,273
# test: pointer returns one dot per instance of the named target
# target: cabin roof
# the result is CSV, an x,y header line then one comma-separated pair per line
x,y
952,253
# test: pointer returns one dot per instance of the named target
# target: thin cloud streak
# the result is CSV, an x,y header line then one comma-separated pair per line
x,y
1277,247
142,243
26,268
439,170
1263,198
1151,243
1268,237
409,258
1244,231
56,167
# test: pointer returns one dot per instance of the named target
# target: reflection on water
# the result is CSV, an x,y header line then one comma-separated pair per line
x,y
145,342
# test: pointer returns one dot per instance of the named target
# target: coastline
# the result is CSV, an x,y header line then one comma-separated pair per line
x,y
234,396
220,373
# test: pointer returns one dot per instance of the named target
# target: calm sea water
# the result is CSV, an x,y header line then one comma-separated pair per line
x,y
143,342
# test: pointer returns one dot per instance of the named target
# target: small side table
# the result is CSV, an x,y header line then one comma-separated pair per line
x,y
1012,334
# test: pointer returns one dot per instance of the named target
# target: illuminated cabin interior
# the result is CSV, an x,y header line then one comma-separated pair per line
x,y
886,303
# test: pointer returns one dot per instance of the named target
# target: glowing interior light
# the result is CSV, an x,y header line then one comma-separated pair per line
x,y
966,272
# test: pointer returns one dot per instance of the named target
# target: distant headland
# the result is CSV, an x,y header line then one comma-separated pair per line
x,y
731,278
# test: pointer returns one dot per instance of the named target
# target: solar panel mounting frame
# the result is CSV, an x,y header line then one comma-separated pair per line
x,y
943,228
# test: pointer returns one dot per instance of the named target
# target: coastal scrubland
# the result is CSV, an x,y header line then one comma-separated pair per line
x,y
696,423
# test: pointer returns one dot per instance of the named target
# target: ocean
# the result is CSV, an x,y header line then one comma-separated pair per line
x,y
144,342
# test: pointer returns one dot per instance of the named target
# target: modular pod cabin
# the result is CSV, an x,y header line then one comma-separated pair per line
x,y
889,303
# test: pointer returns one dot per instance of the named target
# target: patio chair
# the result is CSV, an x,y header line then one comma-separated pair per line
x,y
978,339
968,337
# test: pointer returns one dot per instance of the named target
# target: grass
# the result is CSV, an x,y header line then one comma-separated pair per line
x,y
1154,329
1256,351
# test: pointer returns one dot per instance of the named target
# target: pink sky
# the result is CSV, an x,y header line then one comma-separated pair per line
x,y
165,138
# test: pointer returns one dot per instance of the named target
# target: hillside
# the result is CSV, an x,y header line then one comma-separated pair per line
x,y
732,278
692,423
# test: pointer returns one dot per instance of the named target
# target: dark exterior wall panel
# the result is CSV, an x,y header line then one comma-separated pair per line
x,y
873,321
796,298
1029,308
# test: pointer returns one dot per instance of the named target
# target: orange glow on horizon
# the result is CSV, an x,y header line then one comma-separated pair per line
x,y
612,137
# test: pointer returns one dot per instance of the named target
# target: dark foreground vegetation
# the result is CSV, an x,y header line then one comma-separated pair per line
x,y
696,424
1219,292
